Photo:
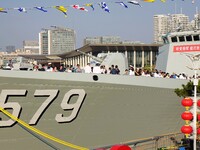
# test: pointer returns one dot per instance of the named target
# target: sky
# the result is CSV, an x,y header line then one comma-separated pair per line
x,y
134,23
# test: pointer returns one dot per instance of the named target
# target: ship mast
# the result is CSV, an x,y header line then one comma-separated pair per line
x,y
197,19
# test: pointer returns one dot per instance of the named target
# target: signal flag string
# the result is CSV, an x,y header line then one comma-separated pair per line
x,y
64,9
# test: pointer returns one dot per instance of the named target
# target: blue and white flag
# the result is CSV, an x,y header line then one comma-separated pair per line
x,y
122,3
21,9
41,9
104,6
135,3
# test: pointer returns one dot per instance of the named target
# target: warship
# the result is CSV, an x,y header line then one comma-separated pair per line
x,y
57,110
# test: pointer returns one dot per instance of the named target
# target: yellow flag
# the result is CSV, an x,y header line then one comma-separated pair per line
x,y
62,9
90,5
149,1
163,1
3,10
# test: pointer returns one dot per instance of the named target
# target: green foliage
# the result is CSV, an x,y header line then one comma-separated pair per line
x,y
187,90
149,68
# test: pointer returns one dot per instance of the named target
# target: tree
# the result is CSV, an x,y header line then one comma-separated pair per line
x,y
187,90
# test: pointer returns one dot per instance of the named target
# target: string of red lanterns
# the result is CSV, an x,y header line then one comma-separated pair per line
x,y
188,116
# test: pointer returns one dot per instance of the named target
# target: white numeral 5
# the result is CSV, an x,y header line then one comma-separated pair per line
x,y
10,105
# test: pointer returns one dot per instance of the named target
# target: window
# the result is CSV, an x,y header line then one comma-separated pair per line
x,y
181,39
138,58
154,55
196,37
130,57
189,38
174,39
146,58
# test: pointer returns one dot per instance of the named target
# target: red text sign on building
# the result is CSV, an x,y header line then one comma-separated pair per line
x,y
187,48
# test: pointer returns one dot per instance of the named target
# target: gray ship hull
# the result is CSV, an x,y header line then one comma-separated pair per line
x,y
114,109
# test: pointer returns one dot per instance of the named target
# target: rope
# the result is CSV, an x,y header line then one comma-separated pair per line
x,y
41,132
40,138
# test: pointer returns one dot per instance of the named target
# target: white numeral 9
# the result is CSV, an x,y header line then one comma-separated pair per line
x,y
74,107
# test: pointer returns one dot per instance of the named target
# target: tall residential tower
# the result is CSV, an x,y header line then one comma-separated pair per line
x,y
102,40
164,24
56,40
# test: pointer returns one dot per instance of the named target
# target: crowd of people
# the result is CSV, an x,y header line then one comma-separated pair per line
x,y
113,69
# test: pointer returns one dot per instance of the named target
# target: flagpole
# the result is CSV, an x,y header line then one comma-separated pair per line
x,y
194,59
175,7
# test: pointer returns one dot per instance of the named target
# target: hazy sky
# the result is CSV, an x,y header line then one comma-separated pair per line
x,y
134,23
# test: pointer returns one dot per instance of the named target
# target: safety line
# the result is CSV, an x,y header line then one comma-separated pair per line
x,y
39,137
41,132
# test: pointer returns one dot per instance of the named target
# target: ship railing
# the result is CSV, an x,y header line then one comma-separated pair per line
x,y
170,141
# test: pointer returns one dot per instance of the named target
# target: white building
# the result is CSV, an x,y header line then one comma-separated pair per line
x,y
169,23
92,40
102,40
161,26
179,22
56,40
31,47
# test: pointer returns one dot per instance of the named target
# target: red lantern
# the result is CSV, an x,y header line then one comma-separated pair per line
x,y
186,129
198,117
187,102
198,103
187,116
198,131
120,147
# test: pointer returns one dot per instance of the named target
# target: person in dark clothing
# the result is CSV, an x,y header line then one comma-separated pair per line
x,y
43,68
113,70
117,69
61,69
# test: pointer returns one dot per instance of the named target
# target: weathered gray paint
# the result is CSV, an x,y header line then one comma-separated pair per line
x,y
116,109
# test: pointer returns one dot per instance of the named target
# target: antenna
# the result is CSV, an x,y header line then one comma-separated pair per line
x,y
175,7
198,21
60,28
44,29
192,1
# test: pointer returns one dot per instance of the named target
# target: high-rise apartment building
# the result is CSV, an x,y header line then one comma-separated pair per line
x,y
102,40
179,22
110,39
169,23
92,40
161,26
10,48
31,47
195,24
56,40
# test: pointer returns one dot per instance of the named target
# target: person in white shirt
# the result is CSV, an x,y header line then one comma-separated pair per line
x,y
96,68
131,71
49,67
87,68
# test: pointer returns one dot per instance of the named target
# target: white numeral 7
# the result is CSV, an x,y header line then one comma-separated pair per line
x,y
52,96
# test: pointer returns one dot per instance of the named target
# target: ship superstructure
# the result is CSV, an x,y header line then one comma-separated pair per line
x,y
172,56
